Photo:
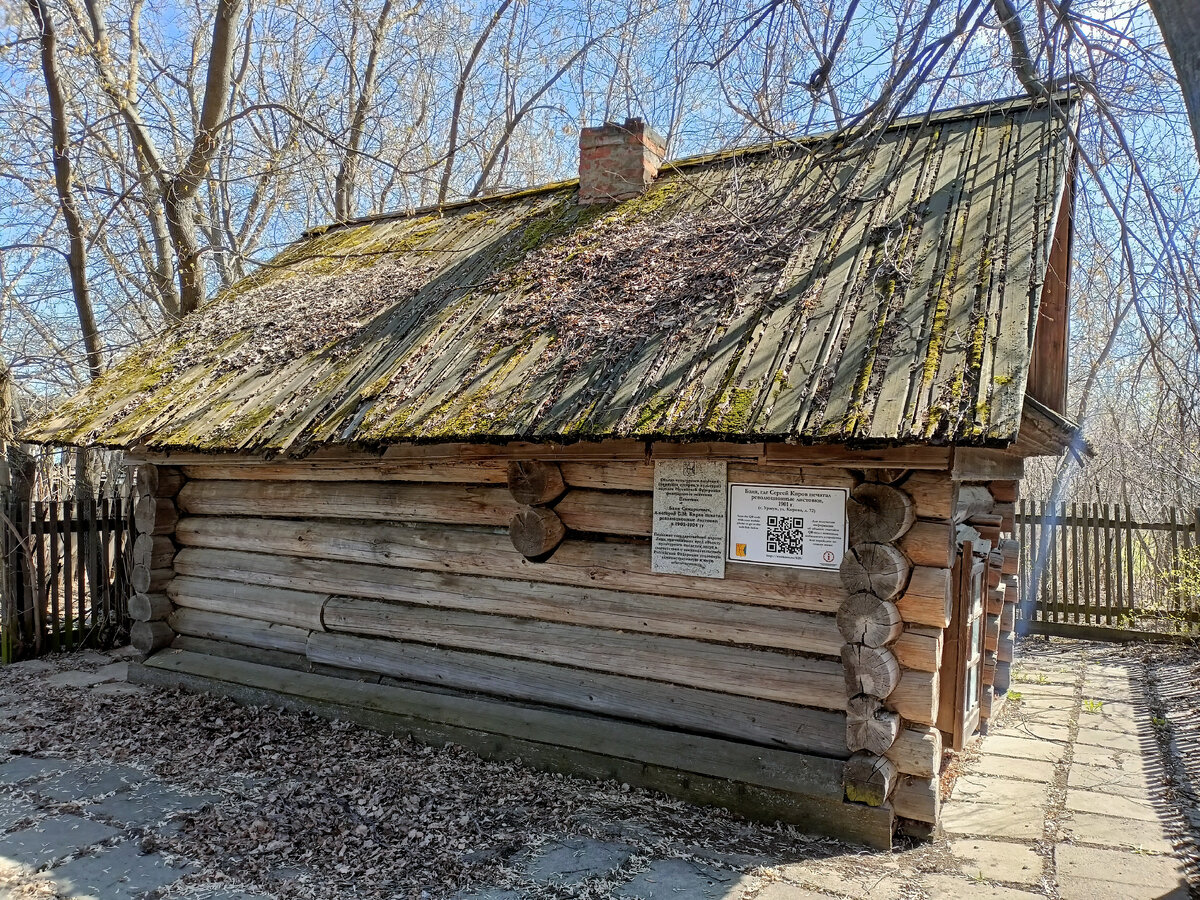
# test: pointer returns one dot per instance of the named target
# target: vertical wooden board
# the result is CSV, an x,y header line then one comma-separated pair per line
x,y
1129,557
804,356
68,574
38,536
93,567
1106,519
1035,178
991,291
56,636
856,371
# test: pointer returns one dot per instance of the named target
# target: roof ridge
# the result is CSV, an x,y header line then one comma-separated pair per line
x,y
950,114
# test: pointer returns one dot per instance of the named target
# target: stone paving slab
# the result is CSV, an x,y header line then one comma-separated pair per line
x,y
986,820
1112,831
780,890
577,859
52,839
947,887
84,782
998,861
1025,748
1011,767
981,789
1085,872
116,873
1134,783
21,769
1114,757
150,804
875,879
673,879
1111,805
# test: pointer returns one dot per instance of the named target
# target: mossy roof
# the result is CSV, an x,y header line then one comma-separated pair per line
x,y
776,293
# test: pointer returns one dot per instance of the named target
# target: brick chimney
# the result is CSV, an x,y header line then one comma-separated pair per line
x,y
617,162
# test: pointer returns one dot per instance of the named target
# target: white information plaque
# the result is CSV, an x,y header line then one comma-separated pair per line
x,y
785,525
689,518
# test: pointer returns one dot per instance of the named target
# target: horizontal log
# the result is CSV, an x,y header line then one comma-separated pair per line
x,y
575,562
870,725
979,464
690,709
878,569
914,457
927,599
1002,680
445,503
868,778
153,551
300,609
919,647
929,544
865,619
597,607
1005,647
972,500
607,512
155,515
535,531
1010,552
918,751
238,630
1005,490
150,637
996,598
916,697
878,513
149,607
157,481
870,670
534,483
932,494
798,788
991,632
145,580
764,674
1008,617
917,798
372,469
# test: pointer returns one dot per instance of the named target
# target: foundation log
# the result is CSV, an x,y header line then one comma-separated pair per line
x,y
147,637
916,798
869,779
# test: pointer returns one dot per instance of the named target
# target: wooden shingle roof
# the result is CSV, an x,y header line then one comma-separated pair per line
x,y
884,296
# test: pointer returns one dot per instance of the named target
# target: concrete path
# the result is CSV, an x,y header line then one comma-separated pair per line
x,y
1069,796
1065,799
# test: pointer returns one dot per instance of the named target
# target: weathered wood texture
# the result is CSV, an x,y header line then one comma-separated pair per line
x,y
759,782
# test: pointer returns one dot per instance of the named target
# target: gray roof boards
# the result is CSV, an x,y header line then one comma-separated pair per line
x,y
801,291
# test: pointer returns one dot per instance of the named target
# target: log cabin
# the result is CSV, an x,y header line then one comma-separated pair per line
x,y
700,476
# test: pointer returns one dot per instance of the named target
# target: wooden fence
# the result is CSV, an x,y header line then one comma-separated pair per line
x,y
65,574
1095,570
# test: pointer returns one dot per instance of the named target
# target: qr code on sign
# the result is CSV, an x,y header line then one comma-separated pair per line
x,y
785,535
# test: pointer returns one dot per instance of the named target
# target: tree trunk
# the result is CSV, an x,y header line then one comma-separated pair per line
x,y
1180,28
77,241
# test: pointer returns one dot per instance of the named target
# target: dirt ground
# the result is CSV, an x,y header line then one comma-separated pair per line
x,y
302,807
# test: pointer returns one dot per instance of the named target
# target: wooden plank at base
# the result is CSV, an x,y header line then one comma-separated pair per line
x,y
753,781
1102,632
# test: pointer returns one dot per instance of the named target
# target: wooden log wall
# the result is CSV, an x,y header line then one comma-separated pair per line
x,y
530,580
897,579
155,516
